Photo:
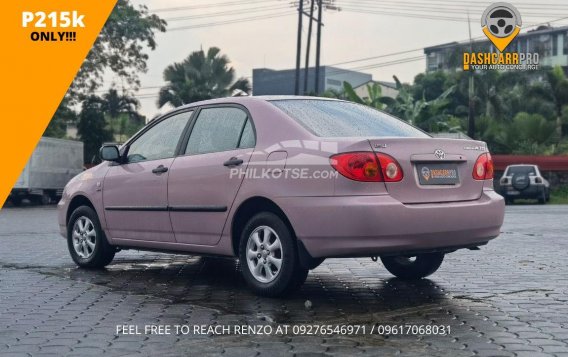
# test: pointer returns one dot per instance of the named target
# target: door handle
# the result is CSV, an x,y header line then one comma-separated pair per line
x,y
233,162
160,170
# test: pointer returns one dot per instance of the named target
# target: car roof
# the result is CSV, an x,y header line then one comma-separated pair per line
x,y
517,165
252,99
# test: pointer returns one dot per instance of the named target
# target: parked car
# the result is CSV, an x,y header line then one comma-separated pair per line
x,y
52,164
283,183
524,181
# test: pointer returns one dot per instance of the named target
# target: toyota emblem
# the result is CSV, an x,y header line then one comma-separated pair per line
x,y
440,154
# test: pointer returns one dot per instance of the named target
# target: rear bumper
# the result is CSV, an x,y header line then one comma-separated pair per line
x,y
353,226
533,191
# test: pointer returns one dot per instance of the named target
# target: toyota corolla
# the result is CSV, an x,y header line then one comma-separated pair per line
x,y
282,183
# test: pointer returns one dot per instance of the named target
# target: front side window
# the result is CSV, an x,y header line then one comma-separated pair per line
x,y
160,141
218,129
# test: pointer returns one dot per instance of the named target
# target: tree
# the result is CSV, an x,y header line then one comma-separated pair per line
x,y
92,128
410,109
527,134
559,94
64,115
375,98
198,77
118,48
121,112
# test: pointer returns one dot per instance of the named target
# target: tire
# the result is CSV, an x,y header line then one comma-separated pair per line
x,y
542,198
260,254
16,201
45,199
93,249
407,269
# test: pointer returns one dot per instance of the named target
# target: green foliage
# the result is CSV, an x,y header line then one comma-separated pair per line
x,y
412,110
92,128
515,112
559,195
375,98
119,48
121,113
64,115
200,76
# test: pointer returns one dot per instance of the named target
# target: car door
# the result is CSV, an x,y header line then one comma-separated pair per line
x,y
135,195
205,179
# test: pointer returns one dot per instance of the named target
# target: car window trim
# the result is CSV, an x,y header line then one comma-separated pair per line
x,y
152,124
195,116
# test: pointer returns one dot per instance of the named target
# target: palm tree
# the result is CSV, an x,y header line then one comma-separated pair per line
x,y
121,111
198,77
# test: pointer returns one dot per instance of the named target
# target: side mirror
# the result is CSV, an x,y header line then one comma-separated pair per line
x,y
109,153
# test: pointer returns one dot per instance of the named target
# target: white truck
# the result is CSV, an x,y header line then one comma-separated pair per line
x,y
52,164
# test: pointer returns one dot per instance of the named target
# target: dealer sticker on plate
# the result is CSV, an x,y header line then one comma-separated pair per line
x,y
437,174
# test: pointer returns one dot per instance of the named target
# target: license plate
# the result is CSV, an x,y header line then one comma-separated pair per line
x,y
438,174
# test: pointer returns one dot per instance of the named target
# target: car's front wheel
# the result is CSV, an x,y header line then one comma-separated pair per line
x,y
269,256
413,267
86,241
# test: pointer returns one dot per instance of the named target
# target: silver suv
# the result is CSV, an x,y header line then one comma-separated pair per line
x,y
524,181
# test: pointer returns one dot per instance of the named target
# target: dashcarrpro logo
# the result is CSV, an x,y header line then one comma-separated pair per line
x,y
501,23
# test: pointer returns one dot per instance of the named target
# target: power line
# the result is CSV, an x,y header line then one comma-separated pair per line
x,y
205,6
462,4
233,21
432,9
227,13
422,48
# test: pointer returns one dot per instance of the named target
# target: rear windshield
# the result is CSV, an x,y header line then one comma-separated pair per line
x,y
327,118
521,170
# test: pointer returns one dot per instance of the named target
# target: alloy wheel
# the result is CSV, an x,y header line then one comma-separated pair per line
x,y
264,254
84,237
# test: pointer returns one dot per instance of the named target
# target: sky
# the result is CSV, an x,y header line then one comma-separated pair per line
x,y
262,33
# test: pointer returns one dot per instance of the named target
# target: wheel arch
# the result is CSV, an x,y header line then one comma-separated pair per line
x,y
76,202
248,209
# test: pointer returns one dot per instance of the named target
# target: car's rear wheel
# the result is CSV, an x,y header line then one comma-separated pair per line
x,y
269,256
86,240
413,267
542,198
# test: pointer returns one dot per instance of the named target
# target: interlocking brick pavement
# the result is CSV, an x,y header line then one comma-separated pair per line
x,y
509,299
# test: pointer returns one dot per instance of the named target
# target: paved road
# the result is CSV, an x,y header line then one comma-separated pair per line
x,y
509,299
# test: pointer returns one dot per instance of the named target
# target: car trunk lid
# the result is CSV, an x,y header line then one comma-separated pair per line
x,y
435,170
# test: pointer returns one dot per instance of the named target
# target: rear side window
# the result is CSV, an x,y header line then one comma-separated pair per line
x,y
216,130
328,118
247,138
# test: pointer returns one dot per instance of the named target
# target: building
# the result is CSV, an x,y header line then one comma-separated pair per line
x,y
551,43
267,81
388,89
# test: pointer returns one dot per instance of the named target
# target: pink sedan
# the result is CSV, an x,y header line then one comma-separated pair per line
x,y
283,183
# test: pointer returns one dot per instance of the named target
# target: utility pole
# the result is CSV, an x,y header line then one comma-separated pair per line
x,y
299,47
471,92
318,46
306,69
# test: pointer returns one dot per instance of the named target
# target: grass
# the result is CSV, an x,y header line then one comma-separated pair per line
x,y
559,195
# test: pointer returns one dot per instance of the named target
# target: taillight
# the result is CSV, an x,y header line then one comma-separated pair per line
x,y
367,166
358,166
392,172
483,168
